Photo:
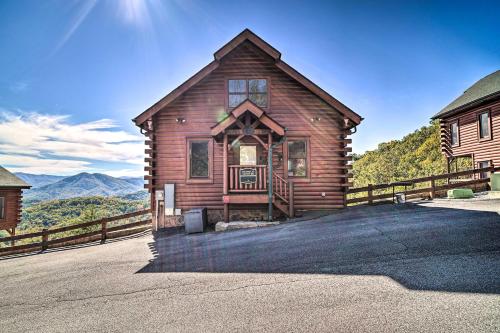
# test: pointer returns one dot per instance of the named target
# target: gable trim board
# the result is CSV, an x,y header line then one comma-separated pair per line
x,y
248,35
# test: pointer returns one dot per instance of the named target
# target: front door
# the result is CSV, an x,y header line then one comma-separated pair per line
x,y
248,155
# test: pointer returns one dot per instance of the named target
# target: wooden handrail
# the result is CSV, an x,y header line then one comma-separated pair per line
x,y
280,187
44,234
423,179
431,190
235,186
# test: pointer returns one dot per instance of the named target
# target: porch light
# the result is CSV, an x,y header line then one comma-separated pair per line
x,y
313,119
180,120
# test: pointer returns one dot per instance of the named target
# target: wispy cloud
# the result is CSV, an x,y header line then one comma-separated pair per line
x,y
82,13
41,143
19,86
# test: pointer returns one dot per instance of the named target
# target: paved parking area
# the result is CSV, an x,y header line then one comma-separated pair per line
x,y
433,266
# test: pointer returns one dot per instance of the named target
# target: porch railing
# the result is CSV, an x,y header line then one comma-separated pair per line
x,y
247,178
280,187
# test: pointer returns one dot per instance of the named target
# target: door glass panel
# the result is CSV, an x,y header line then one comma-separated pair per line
x,y
248,155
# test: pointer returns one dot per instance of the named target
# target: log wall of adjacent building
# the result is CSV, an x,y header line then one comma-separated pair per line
x,y
469,141
290,104
12,208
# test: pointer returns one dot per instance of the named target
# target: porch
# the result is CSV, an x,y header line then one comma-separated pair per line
x,y
250,139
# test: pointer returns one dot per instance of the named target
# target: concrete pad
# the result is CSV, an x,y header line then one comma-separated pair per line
x,y
223,226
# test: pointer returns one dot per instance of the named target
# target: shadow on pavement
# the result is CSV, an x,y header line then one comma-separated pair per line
x,y
422,248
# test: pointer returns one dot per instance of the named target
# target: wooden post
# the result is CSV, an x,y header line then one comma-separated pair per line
x,y
104,229
370,194
291,209
45,239
433,188
13,233
224,175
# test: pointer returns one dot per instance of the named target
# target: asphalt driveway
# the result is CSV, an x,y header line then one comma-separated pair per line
x,y
427,267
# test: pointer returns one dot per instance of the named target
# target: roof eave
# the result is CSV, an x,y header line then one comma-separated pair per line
x,y
467,106
10,187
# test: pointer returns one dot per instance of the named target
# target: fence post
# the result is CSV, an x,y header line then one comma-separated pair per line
x,y
45,239
370,194
104,229
13,234
433,187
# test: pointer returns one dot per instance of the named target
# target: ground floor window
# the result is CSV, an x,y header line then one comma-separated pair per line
x,y
2,208
199,159
483,164
297,158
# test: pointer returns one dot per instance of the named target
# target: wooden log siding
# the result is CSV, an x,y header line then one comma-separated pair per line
x,y
289,103
13,204
469,142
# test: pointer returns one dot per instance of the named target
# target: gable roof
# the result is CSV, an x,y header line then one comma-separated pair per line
x,y
8,179
247,35
247,105
483,90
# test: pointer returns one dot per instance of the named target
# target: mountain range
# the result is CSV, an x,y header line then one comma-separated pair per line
x,y
48,187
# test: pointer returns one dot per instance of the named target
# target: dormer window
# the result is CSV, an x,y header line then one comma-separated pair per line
x,y
253,89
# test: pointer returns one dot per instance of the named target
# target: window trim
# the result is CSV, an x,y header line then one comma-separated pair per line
x,y
298,179
478,118
199,180
247,78
458,133
3,212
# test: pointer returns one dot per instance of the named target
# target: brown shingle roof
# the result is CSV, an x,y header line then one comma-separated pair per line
x,y
10,180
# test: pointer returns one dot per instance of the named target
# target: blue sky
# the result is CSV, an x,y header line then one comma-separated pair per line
x,y
73,73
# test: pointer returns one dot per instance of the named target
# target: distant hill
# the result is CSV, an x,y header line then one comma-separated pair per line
x,y
38,180
138,181
84,185
418,154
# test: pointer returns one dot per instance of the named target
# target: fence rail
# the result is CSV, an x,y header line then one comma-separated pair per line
x,y
432,188
89,236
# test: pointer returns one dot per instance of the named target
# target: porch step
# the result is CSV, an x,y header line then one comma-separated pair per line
x,y
281,205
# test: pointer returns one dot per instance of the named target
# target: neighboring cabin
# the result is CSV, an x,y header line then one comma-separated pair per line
x,y
470,125
211,136
10,200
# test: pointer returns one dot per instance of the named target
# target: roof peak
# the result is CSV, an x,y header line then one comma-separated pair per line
x,y
243,36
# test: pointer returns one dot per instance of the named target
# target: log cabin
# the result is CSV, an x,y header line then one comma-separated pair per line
x,y
470,126
10,200
248,136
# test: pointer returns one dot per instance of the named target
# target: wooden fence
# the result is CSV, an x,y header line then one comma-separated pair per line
x,y
429,185
46,238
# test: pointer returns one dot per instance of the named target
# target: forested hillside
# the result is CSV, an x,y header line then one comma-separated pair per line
x,y
416,155
75,210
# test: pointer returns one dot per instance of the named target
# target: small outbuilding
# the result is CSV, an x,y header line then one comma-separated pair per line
x,y
11,188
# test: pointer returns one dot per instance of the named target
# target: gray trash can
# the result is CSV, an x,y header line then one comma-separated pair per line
x,y
195,220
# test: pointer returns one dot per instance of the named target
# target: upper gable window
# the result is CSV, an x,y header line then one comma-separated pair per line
x,y
254,90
